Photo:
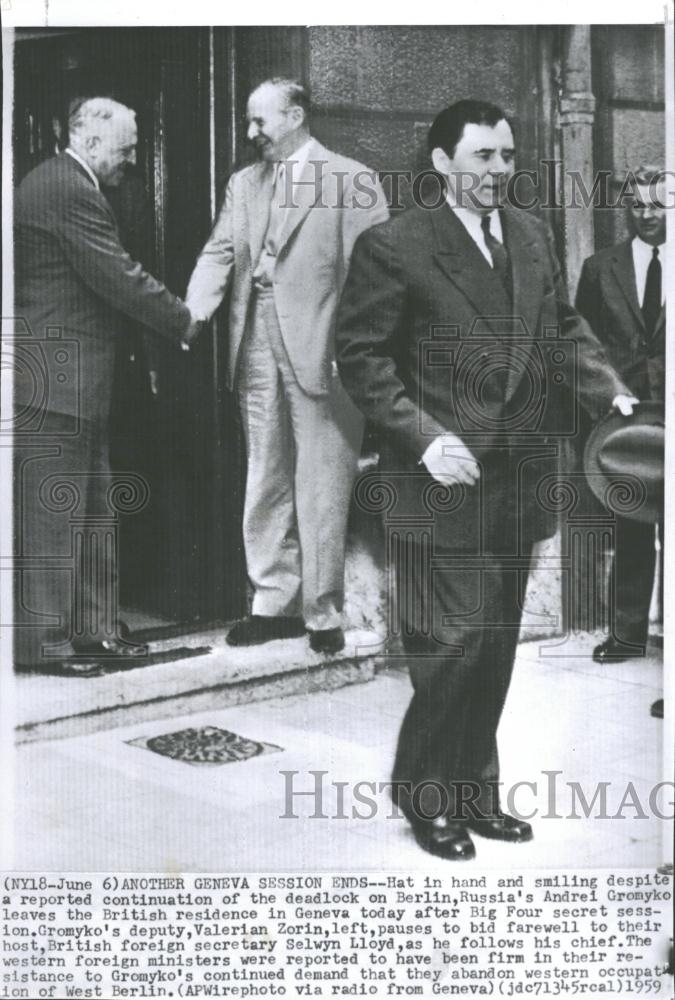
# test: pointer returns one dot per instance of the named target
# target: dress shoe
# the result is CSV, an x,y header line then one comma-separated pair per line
x,y
656,710
326,640
611,651
445,838
501,827
111,649
256,629
75,666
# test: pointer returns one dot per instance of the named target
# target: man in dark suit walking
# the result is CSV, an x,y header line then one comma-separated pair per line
x,y
621,294
444,342
75,287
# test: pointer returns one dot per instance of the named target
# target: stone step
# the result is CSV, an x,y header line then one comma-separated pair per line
x,y
55,707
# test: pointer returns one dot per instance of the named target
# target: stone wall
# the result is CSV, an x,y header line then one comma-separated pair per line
x,y
628,81
376,90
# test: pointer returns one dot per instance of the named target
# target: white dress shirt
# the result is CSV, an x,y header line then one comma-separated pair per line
x,y
472,223
86,166
642,257
282,200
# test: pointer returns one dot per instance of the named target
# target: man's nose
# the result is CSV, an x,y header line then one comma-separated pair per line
x,y
131,158
253,131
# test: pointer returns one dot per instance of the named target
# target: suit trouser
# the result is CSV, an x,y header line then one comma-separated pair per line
x,y
631,580
460,667
65,540
302,455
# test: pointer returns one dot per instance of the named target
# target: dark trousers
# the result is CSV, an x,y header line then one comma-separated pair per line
x,y
460,627
631,580
65,540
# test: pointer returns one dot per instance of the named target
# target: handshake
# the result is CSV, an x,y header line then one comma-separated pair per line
x,y
195,326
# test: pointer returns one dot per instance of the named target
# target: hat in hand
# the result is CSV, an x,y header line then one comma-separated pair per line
x,y
623,462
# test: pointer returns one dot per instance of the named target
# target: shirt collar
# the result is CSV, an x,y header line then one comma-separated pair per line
x,y
299,158
645,249
472,221
85,166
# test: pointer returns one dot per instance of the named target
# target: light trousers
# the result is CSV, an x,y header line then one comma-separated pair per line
x,y
302,456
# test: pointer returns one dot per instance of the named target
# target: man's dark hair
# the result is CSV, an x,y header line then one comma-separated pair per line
x,y
648,173
448,125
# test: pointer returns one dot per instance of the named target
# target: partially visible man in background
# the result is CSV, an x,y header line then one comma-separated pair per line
x,y
75,287
283,240
621,293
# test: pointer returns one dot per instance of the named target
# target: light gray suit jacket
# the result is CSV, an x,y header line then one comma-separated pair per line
x,y
335,200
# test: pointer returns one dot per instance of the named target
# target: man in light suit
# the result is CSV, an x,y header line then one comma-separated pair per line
x,y
75,290
444,342
621,293
281,245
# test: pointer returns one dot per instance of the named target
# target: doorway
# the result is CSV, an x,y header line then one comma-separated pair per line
x,y
181,557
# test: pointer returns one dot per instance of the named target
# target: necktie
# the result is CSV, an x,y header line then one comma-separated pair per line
x,y
651,304
276,219
498,252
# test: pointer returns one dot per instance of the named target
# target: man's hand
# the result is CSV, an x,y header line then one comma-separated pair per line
x,y
192,332
449,461
625,404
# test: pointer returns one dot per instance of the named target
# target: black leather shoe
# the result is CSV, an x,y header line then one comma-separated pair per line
x,y
78,668
256,629
502,827
68,667
326,640
111,649
611,651
656,710
444,838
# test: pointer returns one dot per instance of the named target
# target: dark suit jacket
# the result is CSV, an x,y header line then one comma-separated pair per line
x,y
607,298
429,341
76,285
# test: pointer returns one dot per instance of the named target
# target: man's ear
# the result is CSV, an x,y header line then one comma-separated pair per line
x,y
91,143
298,115
441,161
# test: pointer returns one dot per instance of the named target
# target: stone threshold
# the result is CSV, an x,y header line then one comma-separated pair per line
x,y
58,707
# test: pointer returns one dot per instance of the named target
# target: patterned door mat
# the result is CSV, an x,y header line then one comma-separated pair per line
x,y
205,745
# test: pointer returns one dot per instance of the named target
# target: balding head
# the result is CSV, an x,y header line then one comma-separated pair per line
x,y
103,132
277,114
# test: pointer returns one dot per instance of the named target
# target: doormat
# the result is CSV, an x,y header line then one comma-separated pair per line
x,y
206,745
102,666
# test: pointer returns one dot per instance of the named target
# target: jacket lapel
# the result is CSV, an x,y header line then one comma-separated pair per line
x,y
305,192
462,262
259,197
525,252
624,274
